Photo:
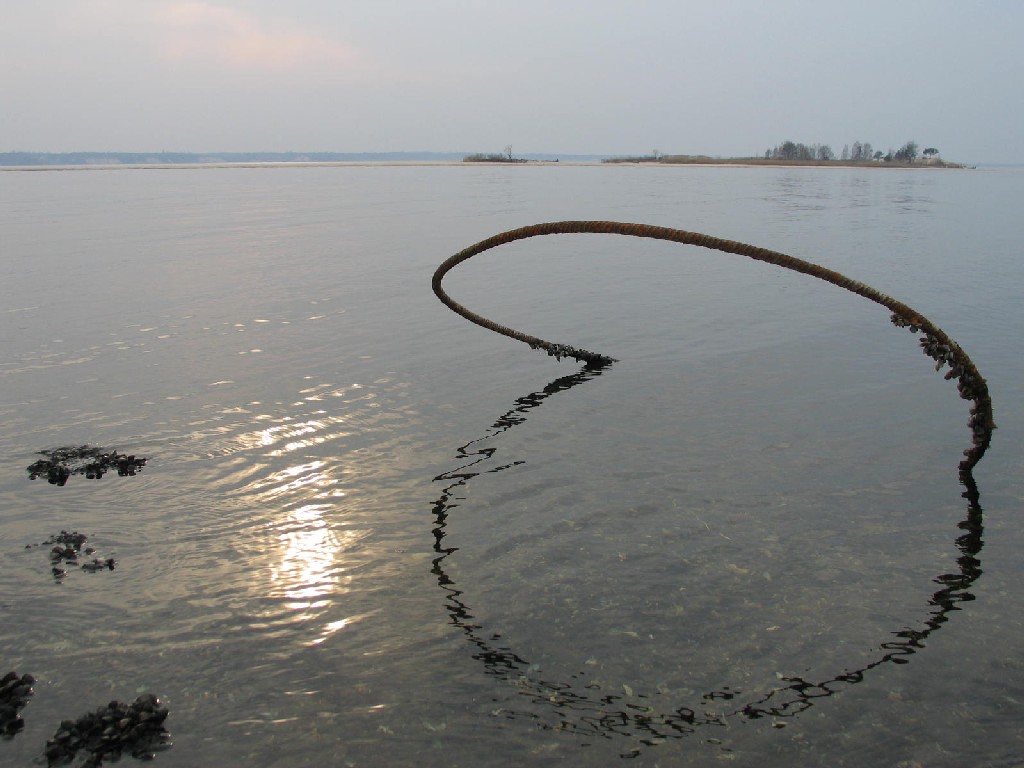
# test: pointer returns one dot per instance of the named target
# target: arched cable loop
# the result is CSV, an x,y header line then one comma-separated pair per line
x,y
934,341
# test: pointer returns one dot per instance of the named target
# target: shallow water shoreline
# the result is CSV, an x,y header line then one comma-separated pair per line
x,y
370,530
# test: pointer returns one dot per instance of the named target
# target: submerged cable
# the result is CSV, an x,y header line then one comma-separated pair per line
x,y
934,342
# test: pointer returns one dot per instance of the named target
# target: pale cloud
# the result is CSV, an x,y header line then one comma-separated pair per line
x,y
208,34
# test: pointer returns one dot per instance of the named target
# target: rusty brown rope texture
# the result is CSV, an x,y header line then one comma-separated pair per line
x,y
934,342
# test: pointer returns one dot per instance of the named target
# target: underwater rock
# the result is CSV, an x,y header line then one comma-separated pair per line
x,y
14,694
98,565
61,463
111,731
66,548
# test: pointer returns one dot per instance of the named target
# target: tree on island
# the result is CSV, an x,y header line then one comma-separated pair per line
x,y
791,150
907,153
862,153
858,152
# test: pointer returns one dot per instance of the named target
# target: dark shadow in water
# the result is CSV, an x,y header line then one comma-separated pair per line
x,y
582,708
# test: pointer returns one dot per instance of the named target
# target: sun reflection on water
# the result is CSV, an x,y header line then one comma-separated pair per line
x,y
307,570
308,476
312,432
297,495
310,575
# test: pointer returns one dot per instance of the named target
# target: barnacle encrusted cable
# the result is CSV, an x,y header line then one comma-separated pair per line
x,y
935,343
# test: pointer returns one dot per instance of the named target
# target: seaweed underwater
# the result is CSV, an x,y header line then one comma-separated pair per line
x,y
580,707
110,731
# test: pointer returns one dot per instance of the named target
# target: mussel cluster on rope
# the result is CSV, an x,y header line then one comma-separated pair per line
x,y
969,384
558,351
935,342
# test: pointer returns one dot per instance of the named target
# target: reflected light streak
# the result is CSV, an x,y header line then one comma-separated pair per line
x,y
294,478
334,626
307,569
310,571
272,436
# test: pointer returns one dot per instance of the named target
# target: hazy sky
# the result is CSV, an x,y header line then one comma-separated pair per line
x,y
719,77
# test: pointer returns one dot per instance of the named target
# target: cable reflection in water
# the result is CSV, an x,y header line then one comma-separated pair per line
x,y
577,705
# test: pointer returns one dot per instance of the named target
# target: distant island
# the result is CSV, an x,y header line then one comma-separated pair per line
x,y
493,157
500,157
861,155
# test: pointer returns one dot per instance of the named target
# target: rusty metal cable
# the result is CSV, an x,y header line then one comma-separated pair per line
x,y
934,341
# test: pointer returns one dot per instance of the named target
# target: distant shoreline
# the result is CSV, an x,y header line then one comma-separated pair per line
x,y
228,165
22,160
460,163
177,159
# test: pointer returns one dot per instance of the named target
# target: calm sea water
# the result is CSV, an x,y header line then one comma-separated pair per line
x,y
371,533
